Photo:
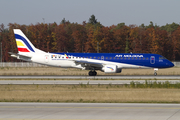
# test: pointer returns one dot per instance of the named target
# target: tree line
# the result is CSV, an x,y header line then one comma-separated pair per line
x,y
88,36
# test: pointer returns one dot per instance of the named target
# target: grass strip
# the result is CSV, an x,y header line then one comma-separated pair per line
x,y
150,92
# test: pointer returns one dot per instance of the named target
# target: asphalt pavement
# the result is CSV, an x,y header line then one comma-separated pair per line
x,y
88,111
142,77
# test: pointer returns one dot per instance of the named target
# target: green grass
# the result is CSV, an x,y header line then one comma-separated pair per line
x,y
149,92
153,84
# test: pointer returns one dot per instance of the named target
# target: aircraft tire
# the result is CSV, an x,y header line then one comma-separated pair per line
x,y
155,73
95,73
92,73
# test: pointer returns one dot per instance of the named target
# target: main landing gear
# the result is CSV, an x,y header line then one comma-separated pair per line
x,y
92,73
155,71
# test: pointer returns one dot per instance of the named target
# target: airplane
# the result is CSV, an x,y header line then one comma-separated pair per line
x,y
105,62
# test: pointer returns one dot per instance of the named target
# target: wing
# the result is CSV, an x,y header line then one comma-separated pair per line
x,y
89,64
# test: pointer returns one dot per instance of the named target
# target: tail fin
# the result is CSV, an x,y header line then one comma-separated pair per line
x,y
23,43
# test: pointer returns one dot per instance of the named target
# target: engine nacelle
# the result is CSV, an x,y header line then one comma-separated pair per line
x,y
111,69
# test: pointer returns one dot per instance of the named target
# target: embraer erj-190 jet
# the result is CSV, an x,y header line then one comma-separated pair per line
x,y
105,62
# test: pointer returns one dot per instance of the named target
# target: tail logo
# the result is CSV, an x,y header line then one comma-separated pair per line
x,y
66,56
22,44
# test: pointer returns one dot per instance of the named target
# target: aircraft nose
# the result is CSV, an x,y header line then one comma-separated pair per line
x,y
170,64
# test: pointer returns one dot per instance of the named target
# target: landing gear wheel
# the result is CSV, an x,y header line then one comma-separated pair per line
x,y
92,73
155,73
95,73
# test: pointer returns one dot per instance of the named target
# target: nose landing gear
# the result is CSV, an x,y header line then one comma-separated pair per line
x,y
155,71
92,73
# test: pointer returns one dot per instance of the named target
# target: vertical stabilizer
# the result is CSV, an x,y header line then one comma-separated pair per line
x,y
23,43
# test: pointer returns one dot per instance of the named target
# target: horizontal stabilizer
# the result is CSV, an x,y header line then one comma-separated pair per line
x,y
19,55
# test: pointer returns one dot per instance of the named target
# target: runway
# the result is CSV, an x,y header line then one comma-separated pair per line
x,y
163,77
98,111
77,82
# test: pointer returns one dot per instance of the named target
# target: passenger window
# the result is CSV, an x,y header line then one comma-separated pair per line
x,y
114,58
139,58
121,57
143,58
98,57
110,57
136,58
106,57
125,58
147,58
117,57
94,57
128,57
90,57
132,58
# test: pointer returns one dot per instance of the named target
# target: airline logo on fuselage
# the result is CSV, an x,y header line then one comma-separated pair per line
x,y
129,56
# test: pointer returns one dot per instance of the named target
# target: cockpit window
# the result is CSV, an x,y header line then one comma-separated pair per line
x,y
160,58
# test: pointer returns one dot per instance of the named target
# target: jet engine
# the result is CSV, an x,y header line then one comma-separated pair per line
x,y
111,69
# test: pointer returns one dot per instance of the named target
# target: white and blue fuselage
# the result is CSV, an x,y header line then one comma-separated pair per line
x,y
106,62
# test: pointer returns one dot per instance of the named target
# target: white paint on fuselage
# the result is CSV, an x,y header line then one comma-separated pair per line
x,y
70,62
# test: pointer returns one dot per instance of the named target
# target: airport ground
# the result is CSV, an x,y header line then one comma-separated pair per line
x,y
72,71
85,93
88,101
88,111
109,93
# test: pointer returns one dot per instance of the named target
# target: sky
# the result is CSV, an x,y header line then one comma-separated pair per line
x,y
107,12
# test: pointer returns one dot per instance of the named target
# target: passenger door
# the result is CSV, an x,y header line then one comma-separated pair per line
x,y
102,57
46,58
152,59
